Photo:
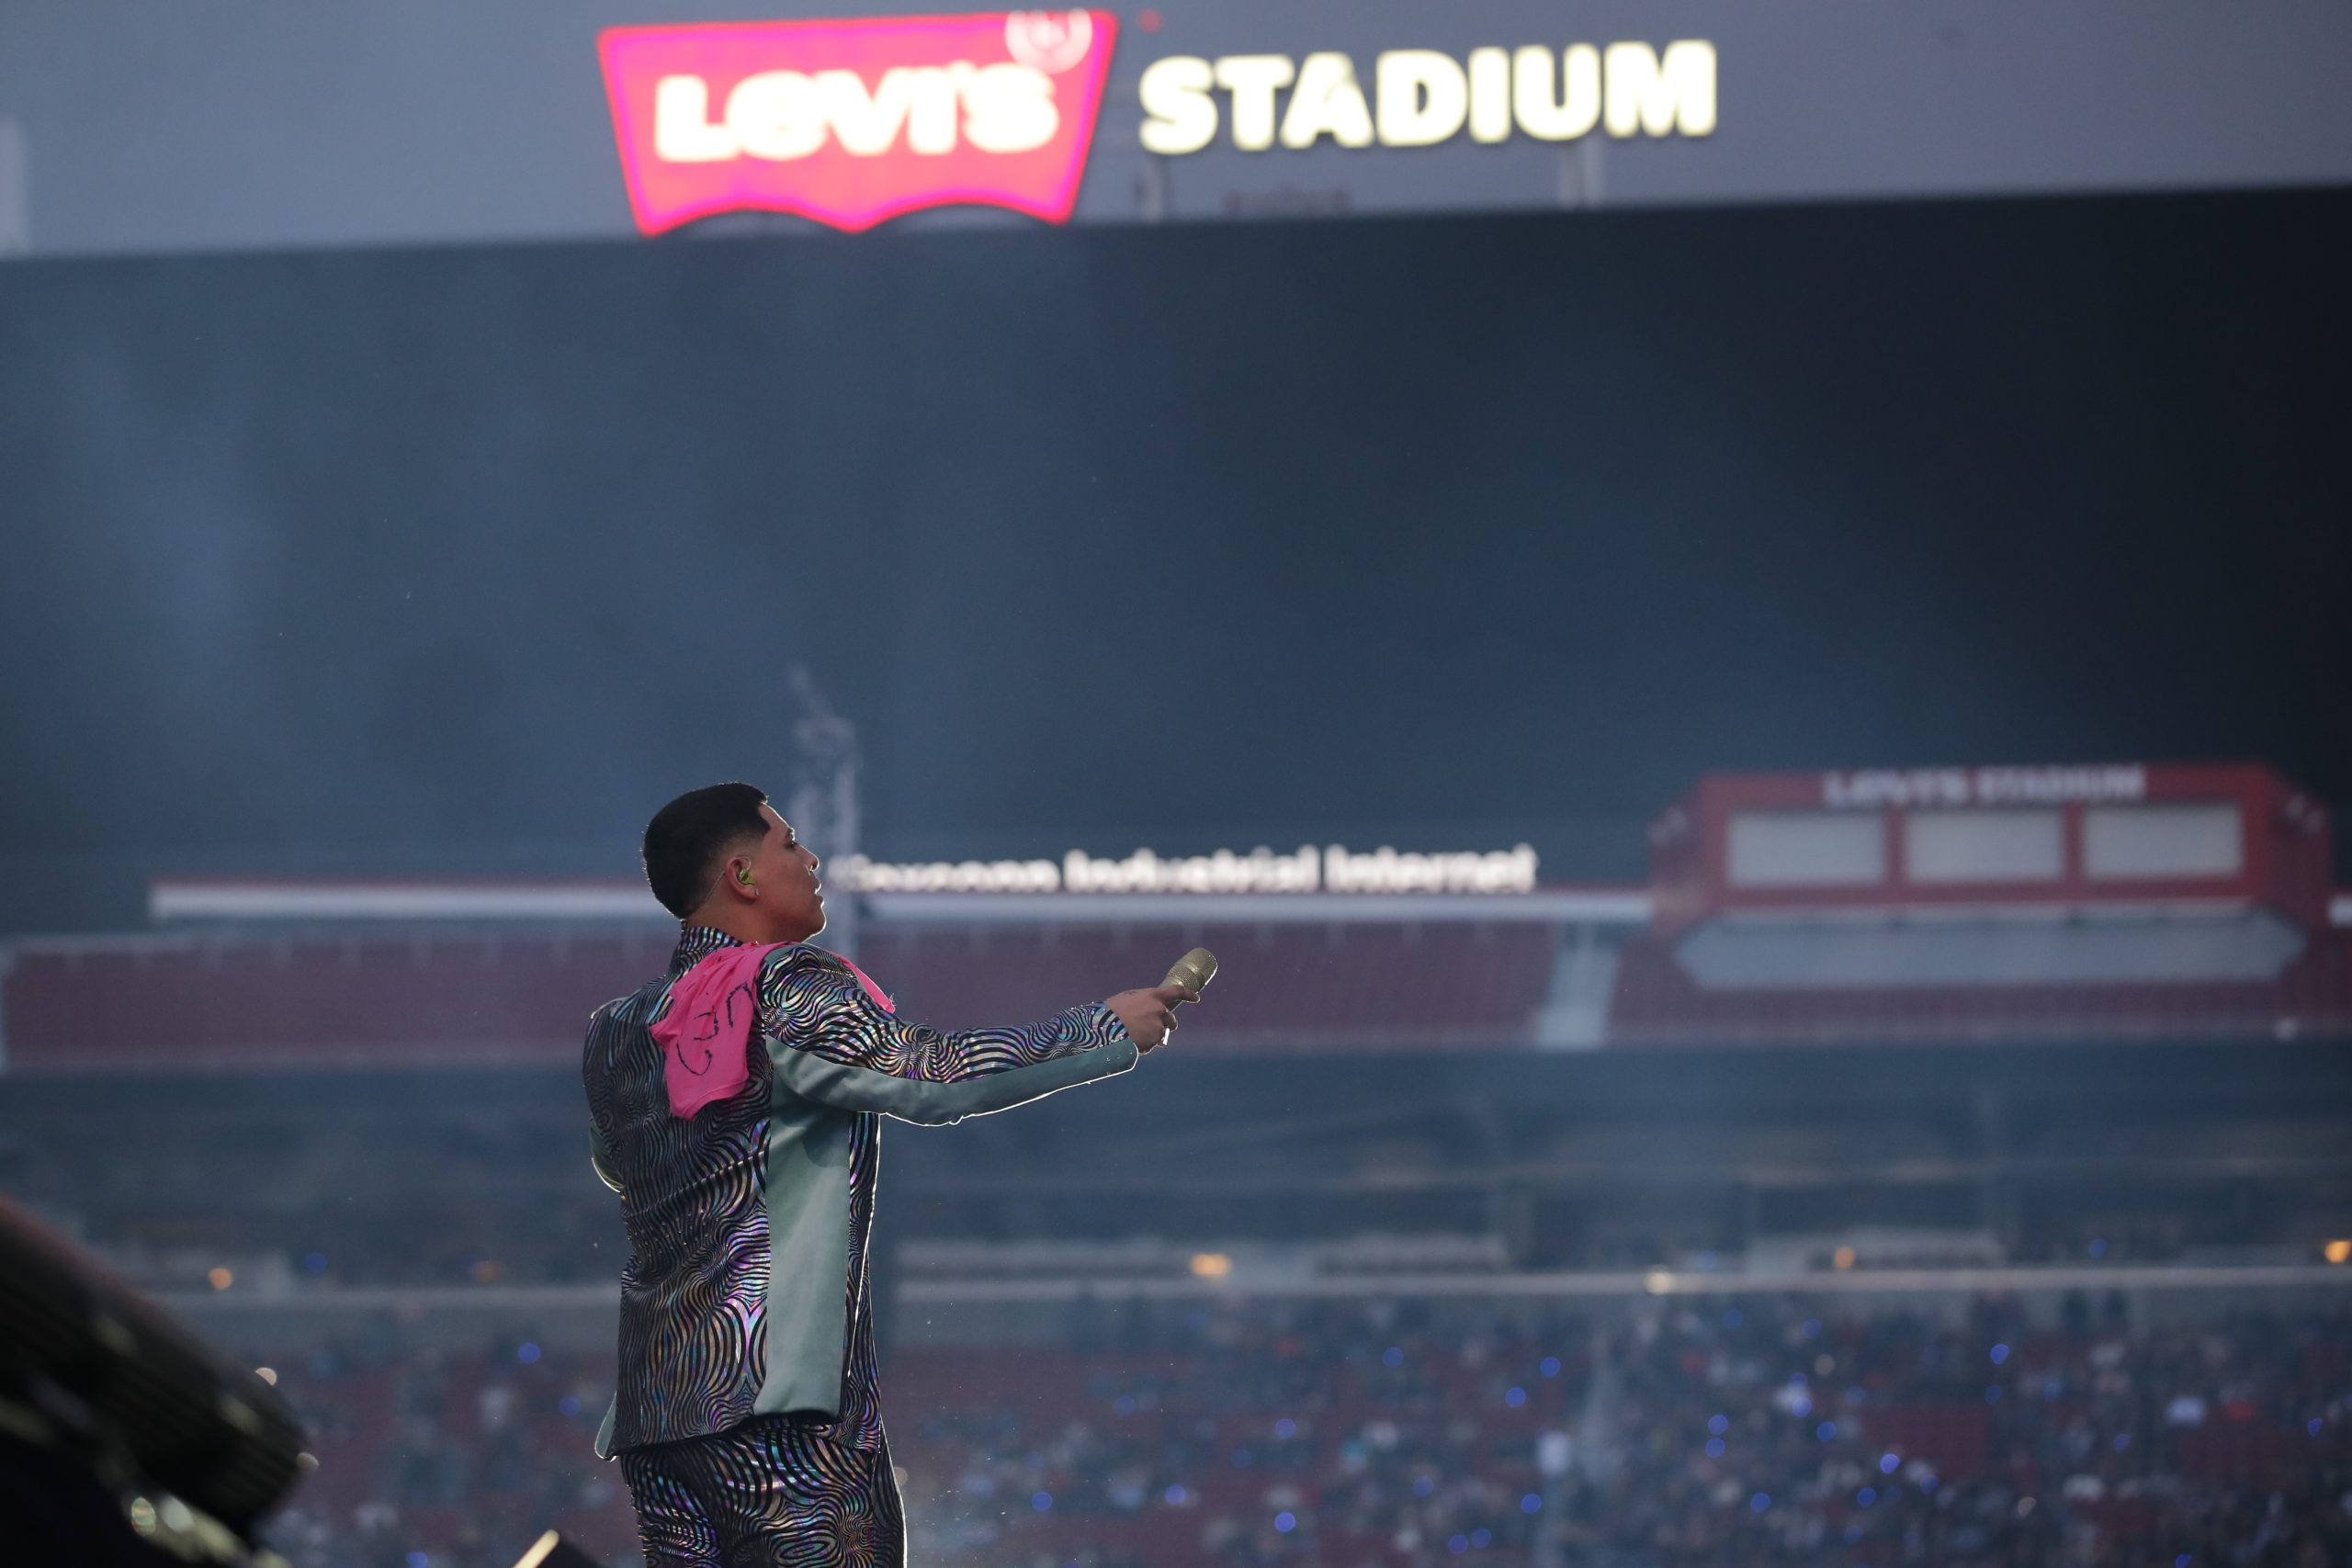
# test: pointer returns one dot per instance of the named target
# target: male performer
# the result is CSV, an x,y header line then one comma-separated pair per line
x,y
733,1105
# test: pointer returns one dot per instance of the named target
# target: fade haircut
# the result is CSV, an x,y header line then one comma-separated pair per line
x,y
689,837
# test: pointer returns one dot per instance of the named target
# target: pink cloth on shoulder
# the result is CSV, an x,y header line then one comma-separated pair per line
x,y
705,1035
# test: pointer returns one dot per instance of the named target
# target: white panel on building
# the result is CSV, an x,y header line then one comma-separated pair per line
x,y
1984,846
1806,849
2132,841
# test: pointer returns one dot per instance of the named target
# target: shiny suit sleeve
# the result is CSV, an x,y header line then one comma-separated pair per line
x,y
830,1040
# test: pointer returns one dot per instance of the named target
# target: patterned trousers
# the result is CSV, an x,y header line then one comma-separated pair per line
x,y
765,1494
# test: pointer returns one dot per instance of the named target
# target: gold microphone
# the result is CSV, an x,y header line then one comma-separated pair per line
x,y
1194,971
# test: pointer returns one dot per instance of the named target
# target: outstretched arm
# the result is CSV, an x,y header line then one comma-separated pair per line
x,y
833,1042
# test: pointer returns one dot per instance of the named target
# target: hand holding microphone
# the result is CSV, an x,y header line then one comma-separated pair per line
x,y
1149,1015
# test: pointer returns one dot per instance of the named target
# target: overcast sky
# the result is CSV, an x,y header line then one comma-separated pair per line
x,y
1444,531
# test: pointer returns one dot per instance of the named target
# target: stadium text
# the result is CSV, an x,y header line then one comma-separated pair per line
x,y
1335,869
1422,96
1983,786
784,115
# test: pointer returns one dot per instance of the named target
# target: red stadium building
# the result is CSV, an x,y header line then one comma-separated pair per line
x,y
1974,903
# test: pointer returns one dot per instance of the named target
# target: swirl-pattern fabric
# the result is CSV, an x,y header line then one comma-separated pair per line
x,y
745,1292
767,1495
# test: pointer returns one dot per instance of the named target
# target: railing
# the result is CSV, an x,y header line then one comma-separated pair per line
x,y
1583,1284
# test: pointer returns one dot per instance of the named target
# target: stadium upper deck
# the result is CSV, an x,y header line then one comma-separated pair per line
x,y
1929,906
1540,981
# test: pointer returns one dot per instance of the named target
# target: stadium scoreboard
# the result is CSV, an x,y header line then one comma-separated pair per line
x,y
1972,875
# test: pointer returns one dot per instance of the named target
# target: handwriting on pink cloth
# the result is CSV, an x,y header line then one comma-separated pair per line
x,y
705,1035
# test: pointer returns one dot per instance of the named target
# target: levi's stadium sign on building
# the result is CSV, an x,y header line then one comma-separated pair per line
x,y
272,123
852,122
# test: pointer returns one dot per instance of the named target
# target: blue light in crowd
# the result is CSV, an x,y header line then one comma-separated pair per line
x,y
1514,1397
1854,1396
1800,1406
1285,1428
1530,1504
418,1560
2314,1425
1423,1486
1241,1458
1993,1393
527,1352
1714,1447
1549,1366
1732,1317
1888,1464
1482,1537
315,1262
1813,1328
1928,1482
1718,1424
1853,1534
1866,1497
2001,1354
1041,1501
1458,1544
1392,1357
2183,1561
1124,1405
569,1405
1285,1522
2122,1441
1173,1496
1826,1431
1759,1503
2097,1247
1796,1380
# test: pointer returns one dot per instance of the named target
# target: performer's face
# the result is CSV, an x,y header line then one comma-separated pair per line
x,y
784,870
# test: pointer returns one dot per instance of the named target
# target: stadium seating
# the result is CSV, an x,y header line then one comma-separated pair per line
x,y
372,998
1353,1436
215,1002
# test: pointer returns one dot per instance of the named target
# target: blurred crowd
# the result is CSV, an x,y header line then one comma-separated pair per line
x,y
437,1458
1762,1434
1734,1434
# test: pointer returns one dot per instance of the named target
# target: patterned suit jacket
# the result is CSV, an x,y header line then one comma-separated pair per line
x,y
745,1292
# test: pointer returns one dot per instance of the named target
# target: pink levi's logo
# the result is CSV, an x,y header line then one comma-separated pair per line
x,y
852,122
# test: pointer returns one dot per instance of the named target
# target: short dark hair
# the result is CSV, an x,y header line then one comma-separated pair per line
x,y
686,837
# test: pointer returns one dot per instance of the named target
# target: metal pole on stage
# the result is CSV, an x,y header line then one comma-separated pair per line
x,y
822,806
